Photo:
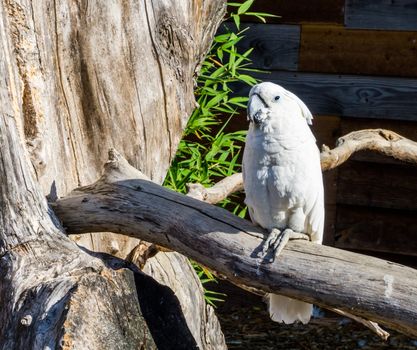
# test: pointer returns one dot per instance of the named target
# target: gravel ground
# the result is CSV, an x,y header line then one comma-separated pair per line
x,y
246,325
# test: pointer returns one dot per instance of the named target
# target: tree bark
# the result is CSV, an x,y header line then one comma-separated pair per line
x,y
47,281
126,202
78,78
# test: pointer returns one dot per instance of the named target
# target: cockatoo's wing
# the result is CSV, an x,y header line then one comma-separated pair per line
x,y
314,205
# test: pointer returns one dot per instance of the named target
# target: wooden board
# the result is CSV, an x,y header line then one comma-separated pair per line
x,y
275,46
323,11
334,49
349,95
381,14
380,230
405,128
326,129
330,190
378,185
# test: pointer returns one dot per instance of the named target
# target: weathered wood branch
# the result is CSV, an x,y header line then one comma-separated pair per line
x,y
381,141
373,326
364,286
219,191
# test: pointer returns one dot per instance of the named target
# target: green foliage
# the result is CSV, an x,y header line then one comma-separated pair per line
x,y
208,152
242,9
206,276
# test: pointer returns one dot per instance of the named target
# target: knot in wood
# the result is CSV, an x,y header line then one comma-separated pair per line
x,y
340,141
174,44
388,135
325,148
26,320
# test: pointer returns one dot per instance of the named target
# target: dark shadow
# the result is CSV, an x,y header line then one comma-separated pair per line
x,y
163,314
53,194
159,306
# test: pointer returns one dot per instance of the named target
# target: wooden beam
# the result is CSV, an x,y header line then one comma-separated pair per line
x,y
334,49
368,287
326,129
376,229
378,185
381,14
301,11
349,95
274,46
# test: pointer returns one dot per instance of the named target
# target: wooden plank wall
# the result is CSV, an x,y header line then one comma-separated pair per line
x,y
354,63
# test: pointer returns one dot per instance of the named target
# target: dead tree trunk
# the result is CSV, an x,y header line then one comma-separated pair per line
x,y
78,78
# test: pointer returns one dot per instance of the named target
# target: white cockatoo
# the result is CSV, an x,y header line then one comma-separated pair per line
x,y
283,180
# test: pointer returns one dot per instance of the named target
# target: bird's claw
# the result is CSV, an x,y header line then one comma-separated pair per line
x,y
277,240
270,241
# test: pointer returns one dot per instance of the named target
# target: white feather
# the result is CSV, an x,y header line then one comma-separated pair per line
x,y
282,177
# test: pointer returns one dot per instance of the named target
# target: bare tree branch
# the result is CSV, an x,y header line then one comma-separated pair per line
x,y
381,141
373,326
217,192
123,201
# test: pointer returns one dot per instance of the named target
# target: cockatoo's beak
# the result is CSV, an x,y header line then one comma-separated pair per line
x,y
256,109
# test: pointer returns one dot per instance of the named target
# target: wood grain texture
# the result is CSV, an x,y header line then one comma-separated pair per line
x,y
365,286
378,185
86,86
77,77
275,47
301,11
349,95
334,49
327,130
92,75
376,230
381,14
47,282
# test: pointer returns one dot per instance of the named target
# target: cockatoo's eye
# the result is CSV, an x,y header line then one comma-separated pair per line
x,y
276,98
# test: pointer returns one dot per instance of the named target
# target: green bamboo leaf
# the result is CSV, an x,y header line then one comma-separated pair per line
x,y
221,38
262,14
236,19
245,7
234,4
215,100
220,53
247,79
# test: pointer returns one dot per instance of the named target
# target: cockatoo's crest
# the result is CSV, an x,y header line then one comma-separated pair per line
x,y
304,109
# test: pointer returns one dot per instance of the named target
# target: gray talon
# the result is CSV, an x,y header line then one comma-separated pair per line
x,y
277,240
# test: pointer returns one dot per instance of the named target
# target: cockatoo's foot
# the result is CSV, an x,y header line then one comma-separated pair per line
x,y
277,240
